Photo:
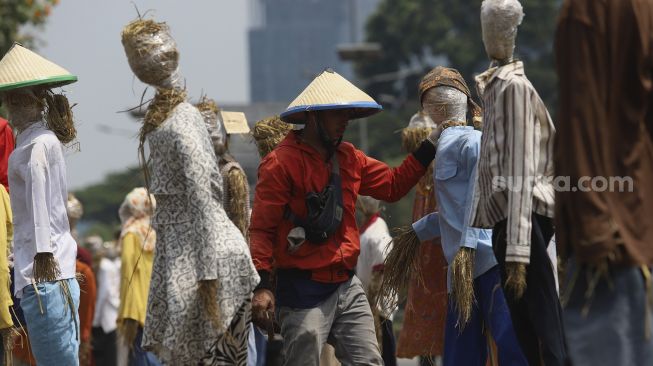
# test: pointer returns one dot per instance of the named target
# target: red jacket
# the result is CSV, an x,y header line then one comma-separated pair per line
x,y
294,169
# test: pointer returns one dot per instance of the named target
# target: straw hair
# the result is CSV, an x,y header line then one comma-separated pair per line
x,y
160,108
207,105
462,281
237,207
21,68
516,278
151,51
59,117
46,268
268,133
208,293
329,90
400,266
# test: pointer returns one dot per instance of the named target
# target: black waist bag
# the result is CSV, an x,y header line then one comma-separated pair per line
x,y
324,209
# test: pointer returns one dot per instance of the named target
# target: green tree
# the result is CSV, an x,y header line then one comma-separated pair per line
x,y
14,14
101,201
422,33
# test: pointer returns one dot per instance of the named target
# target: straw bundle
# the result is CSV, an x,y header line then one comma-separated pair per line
x,y
8,335
46,268
268,133
208,293
411,138
128,330
160,108
237,207
516,278
151,52
401,264
59,117
208,105
462,280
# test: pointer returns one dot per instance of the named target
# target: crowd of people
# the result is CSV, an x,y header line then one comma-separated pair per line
x,y
310,274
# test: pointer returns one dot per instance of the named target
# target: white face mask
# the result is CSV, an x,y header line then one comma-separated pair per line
x,y
499,22
445,103
23,108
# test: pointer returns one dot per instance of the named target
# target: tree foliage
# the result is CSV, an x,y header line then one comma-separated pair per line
x,y
102,200
423,33
14,14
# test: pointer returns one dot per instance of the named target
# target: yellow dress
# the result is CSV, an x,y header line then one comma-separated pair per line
x,y
133,296
6,236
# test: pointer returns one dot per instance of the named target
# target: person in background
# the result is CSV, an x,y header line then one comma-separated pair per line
x,y
87,285
375,241
106,307
7,330
137,242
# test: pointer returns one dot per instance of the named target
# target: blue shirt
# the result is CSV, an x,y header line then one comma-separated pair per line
x,y
455,176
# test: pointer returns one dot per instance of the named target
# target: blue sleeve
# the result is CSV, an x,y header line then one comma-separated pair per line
x,y
470,153
428,227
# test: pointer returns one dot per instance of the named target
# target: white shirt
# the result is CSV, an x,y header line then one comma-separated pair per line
x,y
375,242
108,295
37,177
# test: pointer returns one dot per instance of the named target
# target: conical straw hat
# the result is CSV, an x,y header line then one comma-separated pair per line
x,y
21,68
330,91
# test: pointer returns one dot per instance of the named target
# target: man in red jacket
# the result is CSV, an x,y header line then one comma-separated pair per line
x,y
303,224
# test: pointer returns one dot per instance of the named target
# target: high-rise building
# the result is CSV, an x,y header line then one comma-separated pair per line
x,y
291,41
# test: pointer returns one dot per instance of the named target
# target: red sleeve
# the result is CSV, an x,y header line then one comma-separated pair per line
x,y
272,194
380,181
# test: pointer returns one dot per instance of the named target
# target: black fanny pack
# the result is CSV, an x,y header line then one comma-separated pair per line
x,y
324,209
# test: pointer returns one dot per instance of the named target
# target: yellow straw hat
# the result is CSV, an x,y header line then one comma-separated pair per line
x,y
330,91
21,68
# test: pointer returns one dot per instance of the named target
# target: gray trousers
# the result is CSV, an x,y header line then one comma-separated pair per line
x,y
344,320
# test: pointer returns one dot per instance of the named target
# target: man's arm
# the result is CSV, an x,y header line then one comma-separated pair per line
x,y
380,181
271,197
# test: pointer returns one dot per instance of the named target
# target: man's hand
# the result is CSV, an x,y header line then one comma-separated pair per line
x,y
435,135
263,309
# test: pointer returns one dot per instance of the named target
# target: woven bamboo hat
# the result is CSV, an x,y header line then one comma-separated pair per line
x,y
330,91
21,68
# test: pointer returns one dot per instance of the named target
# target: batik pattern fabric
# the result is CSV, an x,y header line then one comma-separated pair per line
x,y
196,242
422,333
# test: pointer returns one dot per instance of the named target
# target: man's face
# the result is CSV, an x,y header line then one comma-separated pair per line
x,y
334,122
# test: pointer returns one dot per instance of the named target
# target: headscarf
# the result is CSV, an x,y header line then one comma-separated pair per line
x,y
6,147
135,213
444,76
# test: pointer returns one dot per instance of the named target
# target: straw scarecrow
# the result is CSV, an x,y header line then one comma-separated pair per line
x,y
87,284
44,250
476,303
137,243
422,333
514,195
202,278
236,188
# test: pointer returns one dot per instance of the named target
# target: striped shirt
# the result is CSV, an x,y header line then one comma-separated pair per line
x,y
515,169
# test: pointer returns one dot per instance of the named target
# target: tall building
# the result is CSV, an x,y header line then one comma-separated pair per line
x,y
291,41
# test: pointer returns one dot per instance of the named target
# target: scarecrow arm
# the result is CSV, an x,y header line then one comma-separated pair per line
x,y
428,227
37,183
470,155
238,207
521,152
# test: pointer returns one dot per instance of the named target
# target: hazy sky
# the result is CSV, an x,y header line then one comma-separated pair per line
x,y
83,36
